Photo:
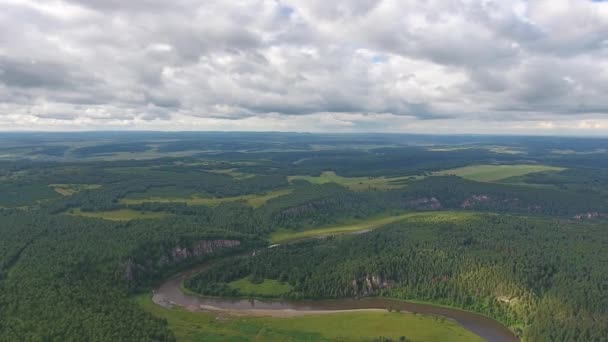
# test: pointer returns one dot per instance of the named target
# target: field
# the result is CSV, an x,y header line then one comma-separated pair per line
x,y
267,288
493,173
505,150
233,173
253,200
356,183
358,326
364,225
118,215
491,148
70,189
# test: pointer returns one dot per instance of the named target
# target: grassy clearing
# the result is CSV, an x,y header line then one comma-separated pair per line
x,y
493,173
144,155
253,200
366,224
233,173
357,183
505,150
70,189
491,148
257,201
573,152
267,288
359,326
118,215
450,148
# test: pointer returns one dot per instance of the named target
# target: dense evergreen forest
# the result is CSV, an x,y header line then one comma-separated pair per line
x,y
546,278
89,220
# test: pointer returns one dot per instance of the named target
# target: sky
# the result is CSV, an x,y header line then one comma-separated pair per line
x,y
447,66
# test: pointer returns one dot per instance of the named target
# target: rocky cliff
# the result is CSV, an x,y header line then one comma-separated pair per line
x,y
368,284
136,267
424,203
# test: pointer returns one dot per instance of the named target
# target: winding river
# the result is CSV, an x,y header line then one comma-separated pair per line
x,y
169,293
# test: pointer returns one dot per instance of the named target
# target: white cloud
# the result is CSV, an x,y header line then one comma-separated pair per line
x,y
366,65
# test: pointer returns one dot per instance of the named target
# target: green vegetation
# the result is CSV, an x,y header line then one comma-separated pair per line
x,y
70,189
259,200
493,173
506,150
569,151
357,183
518,270
253,200
491,148
532,257
368,224
262,287
23,194
352,326
233,173
117,215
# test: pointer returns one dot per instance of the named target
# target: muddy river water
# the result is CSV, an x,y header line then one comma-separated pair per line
x,y
170,293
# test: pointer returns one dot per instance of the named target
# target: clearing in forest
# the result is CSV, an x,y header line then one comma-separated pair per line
x,y
70,189
117,215
252,199
357,183
493,173
268,287
285,235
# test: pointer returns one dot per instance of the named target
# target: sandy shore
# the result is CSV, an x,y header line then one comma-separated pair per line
x,y
276,312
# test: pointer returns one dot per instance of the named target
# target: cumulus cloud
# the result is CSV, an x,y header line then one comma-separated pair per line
x,y
455,66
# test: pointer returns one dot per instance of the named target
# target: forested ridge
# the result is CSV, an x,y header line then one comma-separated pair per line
x,y
529,251
527,273
66,280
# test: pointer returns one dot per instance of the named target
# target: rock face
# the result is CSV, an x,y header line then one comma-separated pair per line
x,y
590,215
424,203
367,285
204,247
474,200
130,270
134,268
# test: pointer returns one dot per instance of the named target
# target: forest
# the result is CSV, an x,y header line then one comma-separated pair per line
x,y
90,222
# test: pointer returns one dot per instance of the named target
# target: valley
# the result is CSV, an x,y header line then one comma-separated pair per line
x,y
270,237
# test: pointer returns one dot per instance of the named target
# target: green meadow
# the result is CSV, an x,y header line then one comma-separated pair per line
x,y
267,288
252,199
356,183
284,235
493,173
117,215
233,173
349,326
70,189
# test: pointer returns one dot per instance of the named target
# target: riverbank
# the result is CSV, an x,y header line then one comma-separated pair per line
x,y
169,294
338,325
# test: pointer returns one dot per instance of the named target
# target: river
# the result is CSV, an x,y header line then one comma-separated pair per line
x,y
169,293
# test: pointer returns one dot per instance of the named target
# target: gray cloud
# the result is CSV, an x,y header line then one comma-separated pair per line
x,y
304,65
34,74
